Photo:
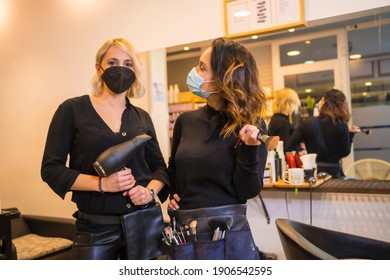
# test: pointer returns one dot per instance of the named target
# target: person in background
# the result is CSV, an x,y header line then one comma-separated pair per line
x,y
286,102
85,126
217,162
327,135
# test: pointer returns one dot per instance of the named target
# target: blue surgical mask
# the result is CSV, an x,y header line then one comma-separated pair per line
x,y
194,81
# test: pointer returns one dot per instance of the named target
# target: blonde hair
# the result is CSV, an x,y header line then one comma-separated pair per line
x,y
137,89
286,101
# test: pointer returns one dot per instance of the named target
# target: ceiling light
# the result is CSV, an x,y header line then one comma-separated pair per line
x,y
186,48
254,37
308,90
309,61
307,42
368,84
241,13
355,56
293,53
291,30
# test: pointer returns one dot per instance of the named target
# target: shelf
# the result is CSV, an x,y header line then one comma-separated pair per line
x,y
186,101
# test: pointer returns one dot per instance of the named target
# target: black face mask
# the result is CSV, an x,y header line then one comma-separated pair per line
x,y
118,79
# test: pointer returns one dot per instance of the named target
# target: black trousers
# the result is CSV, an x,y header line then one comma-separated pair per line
x,y
106,245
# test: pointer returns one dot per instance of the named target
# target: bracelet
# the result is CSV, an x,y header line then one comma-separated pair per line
x,y
152,192
100,185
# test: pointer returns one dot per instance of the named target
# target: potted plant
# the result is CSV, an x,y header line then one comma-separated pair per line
x,y
310,103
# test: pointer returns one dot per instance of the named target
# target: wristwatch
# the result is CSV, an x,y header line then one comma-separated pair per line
x,y
152,193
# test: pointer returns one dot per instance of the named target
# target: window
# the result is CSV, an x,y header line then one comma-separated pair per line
x,y
370,74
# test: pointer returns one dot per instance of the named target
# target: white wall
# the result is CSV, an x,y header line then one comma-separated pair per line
x,y
158,96
47,50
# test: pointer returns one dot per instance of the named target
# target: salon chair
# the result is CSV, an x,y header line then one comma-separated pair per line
x,y
305,242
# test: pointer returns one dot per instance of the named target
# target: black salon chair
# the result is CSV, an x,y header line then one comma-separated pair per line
x,y
305,242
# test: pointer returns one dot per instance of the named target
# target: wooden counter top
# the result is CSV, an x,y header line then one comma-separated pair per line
x,y
339,186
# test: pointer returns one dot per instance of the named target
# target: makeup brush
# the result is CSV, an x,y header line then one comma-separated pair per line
x,y
270,142
192,225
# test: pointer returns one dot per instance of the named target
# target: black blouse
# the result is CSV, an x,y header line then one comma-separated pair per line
x,y
331,142
207,170
281,126
77,131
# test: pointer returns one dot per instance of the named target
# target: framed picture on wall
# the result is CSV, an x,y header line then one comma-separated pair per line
x,y
253,17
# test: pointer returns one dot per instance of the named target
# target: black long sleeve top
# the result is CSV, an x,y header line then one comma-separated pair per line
x,y
207,170
280,126
77,131
331,142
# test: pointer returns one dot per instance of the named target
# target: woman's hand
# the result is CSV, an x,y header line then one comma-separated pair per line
x,y
173,203
302,149
354,129
248,135
139,195
120,181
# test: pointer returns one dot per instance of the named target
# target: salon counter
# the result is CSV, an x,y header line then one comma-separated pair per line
x,y
341,186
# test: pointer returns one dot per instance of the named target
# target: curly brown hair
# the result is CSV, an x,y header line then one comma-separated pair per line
x,y
335,106
236,77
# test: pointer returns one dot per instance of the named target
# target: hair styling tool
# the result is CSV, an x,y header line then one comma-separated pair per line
x,y
366,131
115,158
270,142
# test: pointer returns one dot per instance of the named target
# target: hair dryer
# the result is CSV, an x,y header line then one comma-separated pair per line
x,y
115,158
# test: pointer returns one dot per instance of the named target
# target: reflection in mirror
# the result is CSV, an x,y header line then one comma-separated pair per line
x,y
370,87
308,51
310,88
313,84
370,73
368,36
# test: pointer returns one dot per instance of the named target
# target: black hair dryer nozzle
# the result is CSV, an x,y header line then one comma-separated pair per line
x,y
115,158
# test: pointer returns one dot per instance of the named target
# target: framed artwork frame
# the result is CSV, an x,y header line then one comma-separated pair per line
x,y
384,67
255,17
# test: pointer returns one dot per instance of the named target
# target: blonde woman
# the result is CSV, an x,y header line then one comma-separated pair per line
x,y
285,103
85,126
